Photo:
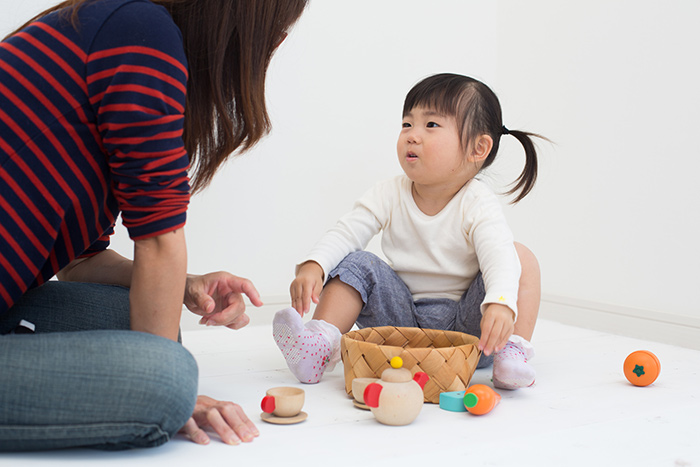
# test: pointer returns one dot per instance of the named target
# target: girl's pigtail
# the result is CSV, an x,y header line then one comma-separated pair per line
x,y
527,177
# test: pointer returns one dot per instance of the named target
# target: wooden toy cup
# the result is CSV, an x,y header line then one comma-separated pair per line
x,y
358,388
283,401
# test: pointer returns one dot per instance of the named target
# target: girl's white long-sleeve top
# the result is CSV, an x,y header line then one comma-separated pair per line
x,y
436,256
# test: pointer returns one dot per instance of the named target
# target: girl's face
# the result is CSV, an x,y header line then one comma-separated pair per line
x,y
430,151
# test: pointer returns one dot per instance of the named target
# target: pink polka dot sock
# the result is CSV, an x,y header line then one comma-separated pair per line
x,y
307,349
510,367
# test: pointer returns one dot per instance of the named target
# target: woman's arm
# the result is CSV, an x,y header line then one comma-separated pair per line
x,y
106,267
156,277
158,284
217,297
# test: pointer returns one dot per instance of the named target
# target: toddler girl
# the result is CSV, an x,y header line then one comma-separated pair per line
x,y
452,263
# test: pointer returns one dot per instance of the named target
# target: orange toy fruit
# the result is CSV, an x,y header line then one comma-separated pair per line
x,y
642,368
480,399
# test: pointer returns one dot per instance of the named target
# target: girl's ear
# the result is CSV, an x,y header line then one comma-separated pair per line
x,y
481,148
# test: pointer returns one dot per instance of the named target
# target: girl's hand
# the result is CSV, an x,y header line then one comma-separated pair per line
x,y
497,326
218,298
226,418
306,287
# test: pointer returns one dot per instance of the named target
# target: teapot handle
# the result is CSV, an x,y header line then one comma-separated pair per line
x,y
371,395
421,378
268,404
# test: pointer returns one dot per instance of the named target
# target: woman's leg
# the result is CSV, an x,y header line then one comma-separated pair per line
x,y
101,389
108,389
58,306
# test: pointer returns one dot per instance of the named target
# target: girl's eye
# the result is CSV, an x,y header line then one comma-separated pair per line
x,y
432,125
406,125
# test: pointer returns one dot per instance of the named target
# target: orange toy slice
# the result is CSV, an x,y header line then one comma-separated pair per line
x,y
642,368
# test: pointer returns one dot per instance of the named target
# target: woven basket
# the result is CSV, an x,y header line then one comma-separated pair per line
x,y
448,357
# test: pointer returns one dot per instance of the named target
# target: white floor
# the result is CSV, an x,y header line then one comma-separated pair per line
x,y
581,411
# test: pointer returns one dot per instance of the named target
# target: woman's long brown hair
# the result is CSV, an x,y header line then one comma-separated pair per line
x,y
228,44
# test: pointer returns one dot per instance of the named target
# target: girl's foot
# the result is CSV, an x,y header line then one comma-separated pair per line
x,y
307,351
510,367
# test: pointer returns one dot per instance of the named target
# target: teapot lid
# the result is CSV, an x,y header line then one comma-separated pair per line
x,y
396,374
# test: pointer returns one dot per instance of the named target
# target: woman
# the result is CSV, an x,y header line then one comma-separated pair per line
x,y
104,106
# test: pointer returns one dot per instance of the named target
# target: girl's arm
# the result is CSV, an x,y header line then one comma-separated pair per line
x,y
351,233
497,325
306,286
500,268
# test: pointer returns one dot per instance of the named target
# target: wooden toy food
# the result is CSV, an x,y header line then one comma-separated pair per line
x,y
480,399
397,398
641,368
452,401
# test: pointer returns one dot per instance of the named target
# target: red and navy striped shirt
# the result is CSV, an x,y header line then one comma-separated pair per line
x,y
91,123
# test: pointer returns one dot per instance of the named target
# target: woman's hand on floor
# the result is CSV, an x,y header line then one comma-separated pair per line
x,y
218,298
226,418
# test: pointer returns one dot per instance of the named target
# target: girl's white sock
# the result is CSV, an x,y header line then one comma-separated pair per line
x,y
511,369
308,349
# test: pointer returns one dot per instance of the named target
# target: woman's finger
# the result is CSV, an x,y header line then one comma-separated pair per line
x,y
217,422
240,423
196,434
244,286
240,322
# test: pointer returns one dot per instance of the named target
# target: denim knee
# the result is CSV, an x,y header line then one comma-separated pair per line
x,y
387,300
356,270
163,399
171,390
102,389
359,262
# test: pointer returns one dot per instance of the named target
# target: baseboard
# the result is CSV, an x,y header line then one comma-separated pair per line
x,y
258,316
667,328
683,331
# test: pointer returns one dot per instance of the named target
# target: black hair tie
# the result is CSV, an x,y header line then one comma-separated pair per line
x,y
504,130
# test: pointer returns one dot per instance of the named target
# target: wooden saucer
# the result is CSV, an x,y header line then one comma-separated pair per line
x,y
270,418
360,405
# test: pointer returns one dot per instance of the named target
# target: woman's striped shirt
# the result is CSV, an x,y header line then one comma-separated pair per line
x,y
91,122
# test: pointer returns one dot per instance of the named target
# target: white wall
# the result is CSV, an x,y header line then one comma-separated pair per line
x,y
613,218
336,91
15,14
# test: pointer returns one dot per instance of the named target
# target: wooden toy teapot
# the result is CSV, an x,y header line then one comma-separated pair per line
x,y
397,398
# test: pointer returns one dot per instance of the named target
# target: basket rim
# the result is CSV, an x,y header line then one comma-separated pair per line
x,y
428,331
